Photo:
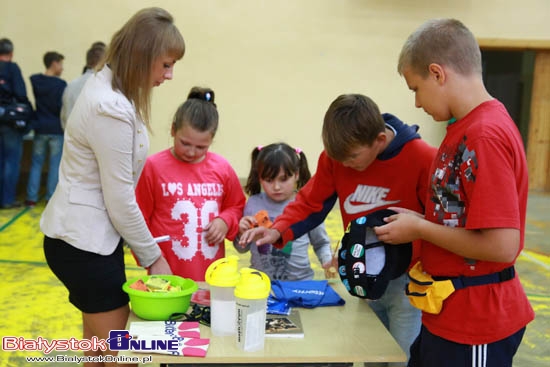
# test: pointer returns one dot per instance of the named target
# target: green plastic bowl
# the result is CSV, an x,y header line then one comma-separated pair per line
x,y
160,306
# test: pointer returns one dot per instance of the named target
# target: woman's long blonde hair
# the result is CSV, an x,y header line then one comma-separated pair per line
x,y
148,35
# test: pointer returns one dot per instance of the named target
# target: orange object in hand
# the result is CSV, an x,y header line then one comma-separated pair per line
x,y
262,219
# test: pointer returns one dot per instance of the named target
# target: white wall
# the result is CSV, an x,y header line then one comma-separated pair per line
x,y
275,65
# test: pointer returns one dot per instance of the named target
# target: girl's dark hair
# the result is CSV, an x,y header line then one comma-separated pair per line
x,y
199,111
266,163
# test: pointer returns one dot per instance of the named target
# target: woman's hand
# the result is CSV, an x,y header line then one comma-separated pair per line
x,y
160,266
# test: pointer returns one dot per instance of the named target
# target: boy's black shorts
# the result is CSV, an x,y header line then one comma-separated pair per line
x,y
429,350
94,281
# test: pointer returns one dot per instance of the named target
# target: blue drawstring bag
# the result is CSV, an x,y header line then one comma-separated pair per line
x,y
303,293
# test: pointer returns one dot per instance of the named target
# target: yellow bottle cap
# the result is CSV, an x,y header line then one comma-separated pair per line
x,y
253,284
223,272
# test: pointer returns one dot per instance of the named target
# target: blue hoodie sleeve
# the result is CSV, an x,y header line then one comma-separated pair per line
x,y
19,88
12,82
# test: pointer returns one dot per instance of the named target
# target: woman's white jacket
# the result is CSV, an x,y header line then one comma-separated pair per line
x,y
105,148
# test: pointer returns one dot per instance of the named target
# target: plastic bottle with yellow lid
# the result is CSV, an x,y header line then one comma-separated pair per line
x,y
251,294
222,276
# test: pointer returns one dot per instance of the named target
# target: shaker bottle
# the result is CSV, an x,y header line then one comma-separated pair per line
x,y
222,275
251,294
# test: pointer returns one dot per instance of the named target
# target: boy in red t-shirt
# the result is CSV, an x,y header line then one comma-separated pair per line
x,y
474,220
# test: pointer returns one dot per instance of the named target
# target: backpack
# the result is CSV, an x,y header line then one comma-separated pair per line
x,y
365,264
13,113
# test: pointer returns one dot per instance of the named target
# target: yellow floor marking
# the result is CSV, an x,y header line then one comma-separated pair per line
x,y
38,304
539,259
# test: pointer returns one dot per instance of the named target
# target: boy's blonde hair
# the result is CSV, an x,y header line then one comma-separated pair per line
x,y
352,120
441,41
148,35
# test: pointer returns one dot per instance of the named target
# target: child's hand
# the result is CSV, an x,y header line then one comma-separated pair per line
x,y
334,262
261,235
246,223
215,231
330,269
400,228
406,211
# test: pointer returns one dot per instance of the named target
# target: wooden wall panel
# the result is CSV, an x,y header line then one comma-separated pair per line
x,y
538,146
507,44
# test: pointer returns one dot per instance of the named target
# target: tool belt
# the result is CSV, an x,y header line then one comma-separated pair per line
x,y
428,293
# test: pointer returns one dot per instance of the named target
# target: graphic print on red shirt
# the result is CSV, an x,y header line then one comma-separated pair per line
x,y
478,181
180,199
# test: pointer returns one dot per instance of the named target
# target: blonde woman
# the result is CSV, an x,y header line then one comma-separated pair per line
x,y
94,209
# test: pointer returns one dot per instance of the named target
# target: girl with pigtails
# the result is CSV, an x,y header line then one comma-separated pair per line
x,y
277,171
189,193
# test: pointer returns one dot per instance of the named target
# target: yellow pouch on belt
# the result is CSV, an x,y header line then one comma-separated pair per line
x,y
426,293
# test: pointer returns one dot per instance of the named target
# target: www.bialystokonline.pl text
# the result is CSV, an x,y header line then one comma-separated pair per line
x,y
90,359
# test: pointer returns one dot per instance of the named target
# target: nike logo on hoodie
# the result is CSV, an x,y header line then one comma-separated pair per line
x,y
366,198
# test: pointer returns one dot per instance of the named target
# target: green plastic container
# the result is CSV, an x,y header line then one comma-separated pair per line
x,y
160,306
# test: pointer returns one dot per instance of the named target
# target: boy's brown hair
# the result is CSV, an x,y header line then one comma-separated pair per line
x,y
50,57
352,120
94,56
441,41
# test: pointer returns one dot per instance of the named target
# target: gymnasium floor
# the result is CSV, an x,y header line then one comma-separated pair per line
x,y
35,303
